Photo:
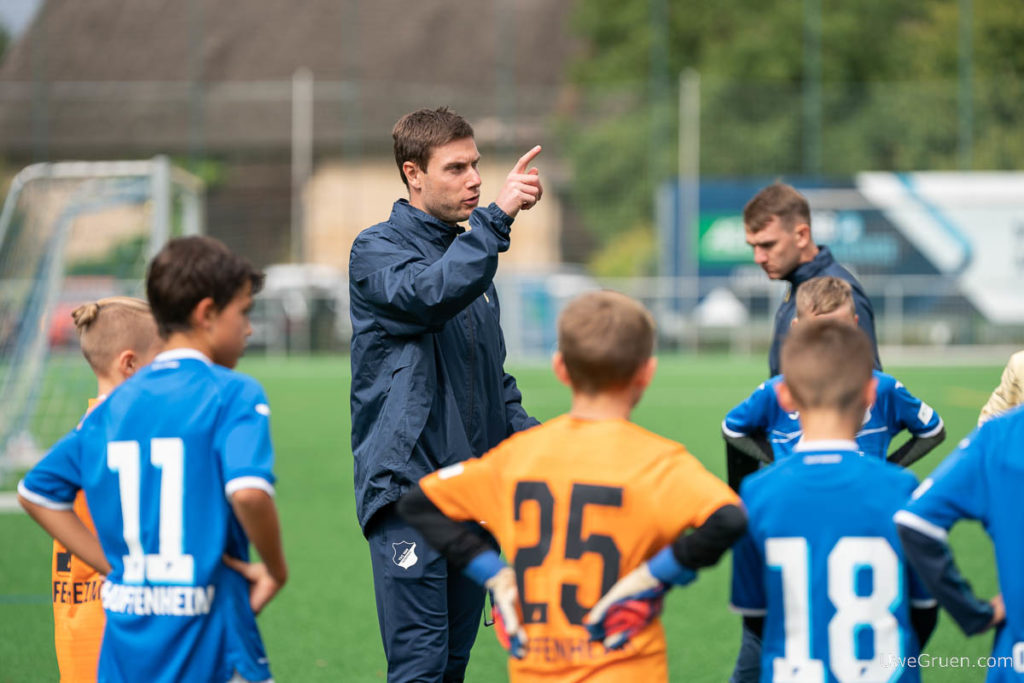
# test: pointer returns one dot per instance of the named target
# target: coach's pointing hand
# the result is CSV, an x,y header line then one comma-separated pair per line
x,y
522,187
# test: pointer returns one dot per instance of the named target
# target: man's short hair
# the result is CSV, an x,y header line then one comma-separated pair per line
x,y
604,338
822,295
417,134
189,269
826,364
778,199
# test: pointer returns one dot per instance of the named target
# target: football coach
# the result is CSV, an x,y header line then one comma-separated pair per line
x,y
428,383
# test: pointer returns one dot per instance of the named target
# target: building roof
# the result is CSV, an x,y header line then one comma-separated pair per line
x,y
142,76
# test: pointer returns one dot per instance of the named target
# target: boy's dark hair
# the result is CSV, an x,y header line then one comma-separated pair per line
x,y
417,134
604,338
776,200
189,269
826,364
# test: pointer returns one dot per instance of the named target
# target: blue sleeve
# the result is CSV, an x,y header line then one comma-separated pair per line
x,y
56,479
243,440
919,594
751,416
410,296
748,595
911,413
954,491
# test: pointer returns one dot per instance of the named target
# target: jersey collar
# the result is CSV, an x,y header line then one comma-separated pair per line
x,y
182,354
831,445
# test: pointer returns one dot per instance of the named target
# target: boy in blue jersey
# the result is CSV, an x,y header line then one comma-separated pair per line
x,y
982,479
761,428
177,467
821,564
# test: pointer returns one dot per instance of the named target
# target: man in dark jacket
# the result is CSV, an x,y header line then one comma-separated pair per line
x,y
428,384
778,227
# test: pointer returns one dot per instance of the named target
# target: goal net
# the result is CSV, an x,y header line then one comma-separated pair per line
x,y
73,232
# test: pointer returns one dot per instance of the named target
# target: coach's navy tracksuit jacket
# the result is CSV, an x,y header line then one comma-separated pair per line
x,y
428,384
822,265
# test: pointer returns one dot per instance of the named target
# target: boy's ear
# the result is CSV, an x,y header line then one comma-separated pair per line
x,y
558,367
785,397
127,363
792,323
645,373
203,313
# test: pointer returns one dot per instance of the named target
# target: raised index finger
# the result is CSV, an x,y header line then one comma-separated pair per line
x,y
524,161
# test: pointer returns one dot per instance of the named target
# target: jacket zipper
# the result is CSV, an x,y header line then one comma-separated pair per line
x,y
471,357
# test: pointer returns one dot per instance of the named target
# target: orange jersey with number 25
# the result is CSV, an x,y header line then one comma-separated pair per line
x,y
577,504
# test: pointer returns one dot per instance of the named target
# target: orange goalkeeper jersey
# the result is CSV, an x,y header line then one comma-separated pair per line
x,y
78,617
577,504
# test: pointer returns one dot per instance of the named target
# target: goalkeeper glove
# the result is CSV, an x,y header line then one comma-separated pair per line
x,y
498,578
635,600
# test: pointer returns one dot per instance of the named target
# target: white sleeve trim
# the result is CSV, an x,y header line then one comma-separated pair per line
x,y
932,432
731,432
42,501
923,603
912,521
748,611
239,483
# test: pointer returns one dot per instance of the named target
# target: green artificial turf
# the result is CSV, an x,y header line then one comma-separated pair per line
x,y
323,626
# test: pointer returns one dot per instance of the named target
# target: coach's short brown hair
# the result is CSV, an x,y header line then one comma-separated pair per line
x,y
826,364
189,269
778,199
417,134
604,338
822,295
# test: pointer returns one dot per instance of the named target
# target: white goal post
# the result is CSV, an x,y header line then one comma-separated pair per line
x,y
55,217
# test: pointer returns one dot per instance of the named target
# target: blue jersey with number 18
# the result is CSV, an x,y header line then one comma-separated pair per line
x,y
822,563
158,461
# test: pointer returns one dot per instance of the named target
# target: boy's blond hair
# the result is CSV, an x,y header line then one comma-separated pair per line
x,y
826,364
604,338
822,295
109,326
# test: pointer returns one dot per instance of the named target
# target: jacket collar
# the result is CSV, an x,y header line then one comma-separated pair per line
x,y
811,269
405,216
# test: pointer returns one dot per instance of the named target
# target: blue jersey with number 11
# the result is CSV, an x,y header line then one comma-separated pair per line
x,y
158,461
822,563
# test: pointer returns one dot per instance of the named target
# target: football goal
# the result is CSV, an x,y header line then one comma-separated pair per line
x,y
73,232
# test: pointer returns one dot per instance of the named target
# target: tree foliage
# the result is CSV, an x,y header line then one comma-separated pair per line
x,y
891,97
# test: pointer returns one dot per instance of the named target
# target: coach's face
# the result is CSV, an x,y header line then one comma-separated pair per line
x,y
449,187
777,248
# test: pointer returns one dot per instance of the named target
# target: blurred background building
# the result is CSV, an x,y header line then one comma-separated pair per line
x,y
659,119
